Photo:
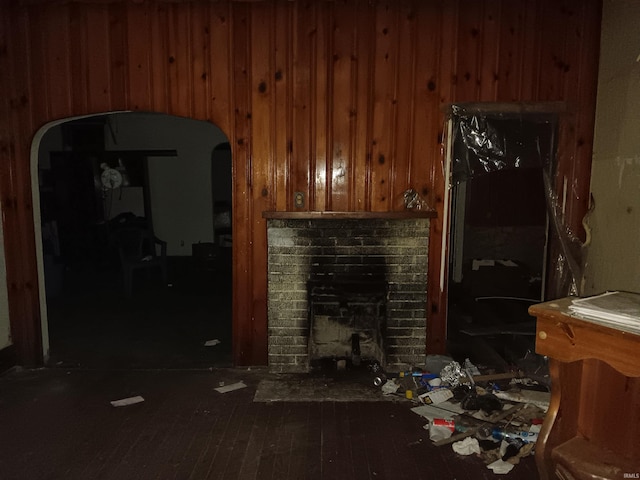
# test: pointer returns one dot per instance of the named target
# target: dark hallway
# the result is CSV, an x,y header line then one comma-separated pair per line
x,y
93,324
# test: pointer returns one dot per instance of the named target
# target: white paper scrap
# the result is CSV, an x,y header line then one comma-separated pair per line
x,y
211,343
231,387
467,446
430,412
127,401
500,467
435,397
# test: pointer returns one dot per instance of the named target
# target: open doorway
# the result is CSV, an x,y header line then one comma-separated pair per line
x,y
132,275
498,231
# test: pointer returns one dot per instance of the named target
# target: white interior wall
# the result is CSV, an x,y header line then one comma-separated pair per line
x,y
5,327
180,187
613,258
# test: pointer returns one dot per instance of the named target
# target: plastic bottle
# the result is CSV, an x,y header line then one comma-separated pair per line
x,y
527,437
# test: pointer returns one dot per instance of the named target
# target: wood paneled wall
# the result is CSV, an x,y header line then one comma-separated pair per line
x,y
342,100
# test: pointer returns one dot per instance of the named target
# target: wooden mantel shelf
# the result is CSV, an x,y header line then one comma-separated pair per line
x,y
408,214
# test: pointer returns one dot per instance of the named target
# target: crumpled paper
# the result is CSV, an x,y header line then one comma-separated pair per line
x,y
500,467
467,446
390,387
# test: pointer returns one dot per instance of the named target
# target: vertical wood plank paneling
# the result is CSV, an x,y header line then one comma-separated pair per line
x,y
529,56
365,33
40,103
341,107
552,32
405,128
281,76
384,111
26,89
118,55
138,69
352,84
490,51
242,188
57,64
428,84
469,57
78,61
179,67
509,54
262,83
301,117
159,76
200,57
98,58
320,118
221,78
448,68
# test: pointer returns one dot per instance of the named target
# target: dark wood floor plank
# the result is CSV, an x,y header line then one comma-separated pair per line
x,y
239,444
300,438
217,426
198,441
257,438
314,442
226,419
269,452
337,460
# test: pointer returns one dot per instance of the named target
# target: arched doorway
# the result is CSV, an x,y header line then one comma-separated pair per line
x,y
98,175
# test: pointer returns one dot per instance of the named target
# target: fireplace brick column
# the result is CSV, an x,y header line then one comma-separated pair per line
x,y
299,249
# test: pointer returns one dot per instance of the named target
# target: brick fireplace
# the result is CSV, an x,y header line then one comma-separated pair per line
x,y
338,277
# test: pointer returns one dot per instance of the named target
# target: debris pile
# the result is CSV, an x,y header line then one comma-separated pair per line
x,y
495,416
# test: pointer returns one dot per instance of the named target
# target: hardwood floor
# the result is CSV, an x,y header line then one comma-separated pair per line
x,y
59,424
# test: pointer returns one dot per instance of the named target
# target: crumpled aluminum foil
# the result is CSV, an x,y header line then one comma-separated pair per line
x,y
452,374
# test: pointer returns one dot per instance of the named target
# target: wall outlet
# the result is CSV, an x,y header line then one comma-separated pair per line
x,y
298,199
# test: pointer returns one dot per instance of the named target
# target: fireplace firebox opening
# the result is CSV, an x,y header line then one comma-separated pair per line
x,y
347,321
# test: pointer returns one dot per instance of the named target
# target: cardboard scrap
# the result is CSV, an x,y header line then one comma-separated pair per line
x,y
534,397
446,410
127,401
231,387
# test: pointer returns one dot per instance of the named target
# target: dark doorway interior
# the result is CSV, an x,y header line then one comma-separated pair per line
x,y
161,321
498,234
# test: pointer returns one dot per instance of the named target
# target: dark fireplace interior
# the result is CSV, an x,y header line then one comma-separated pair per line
x,y
347,321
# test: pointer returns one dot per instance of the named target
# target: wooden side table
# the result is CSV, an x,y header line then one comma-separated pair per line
x,y
592,428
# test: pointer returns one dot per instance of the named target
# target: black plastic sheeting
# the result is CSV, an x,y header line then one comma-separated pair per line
x,y
489,143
